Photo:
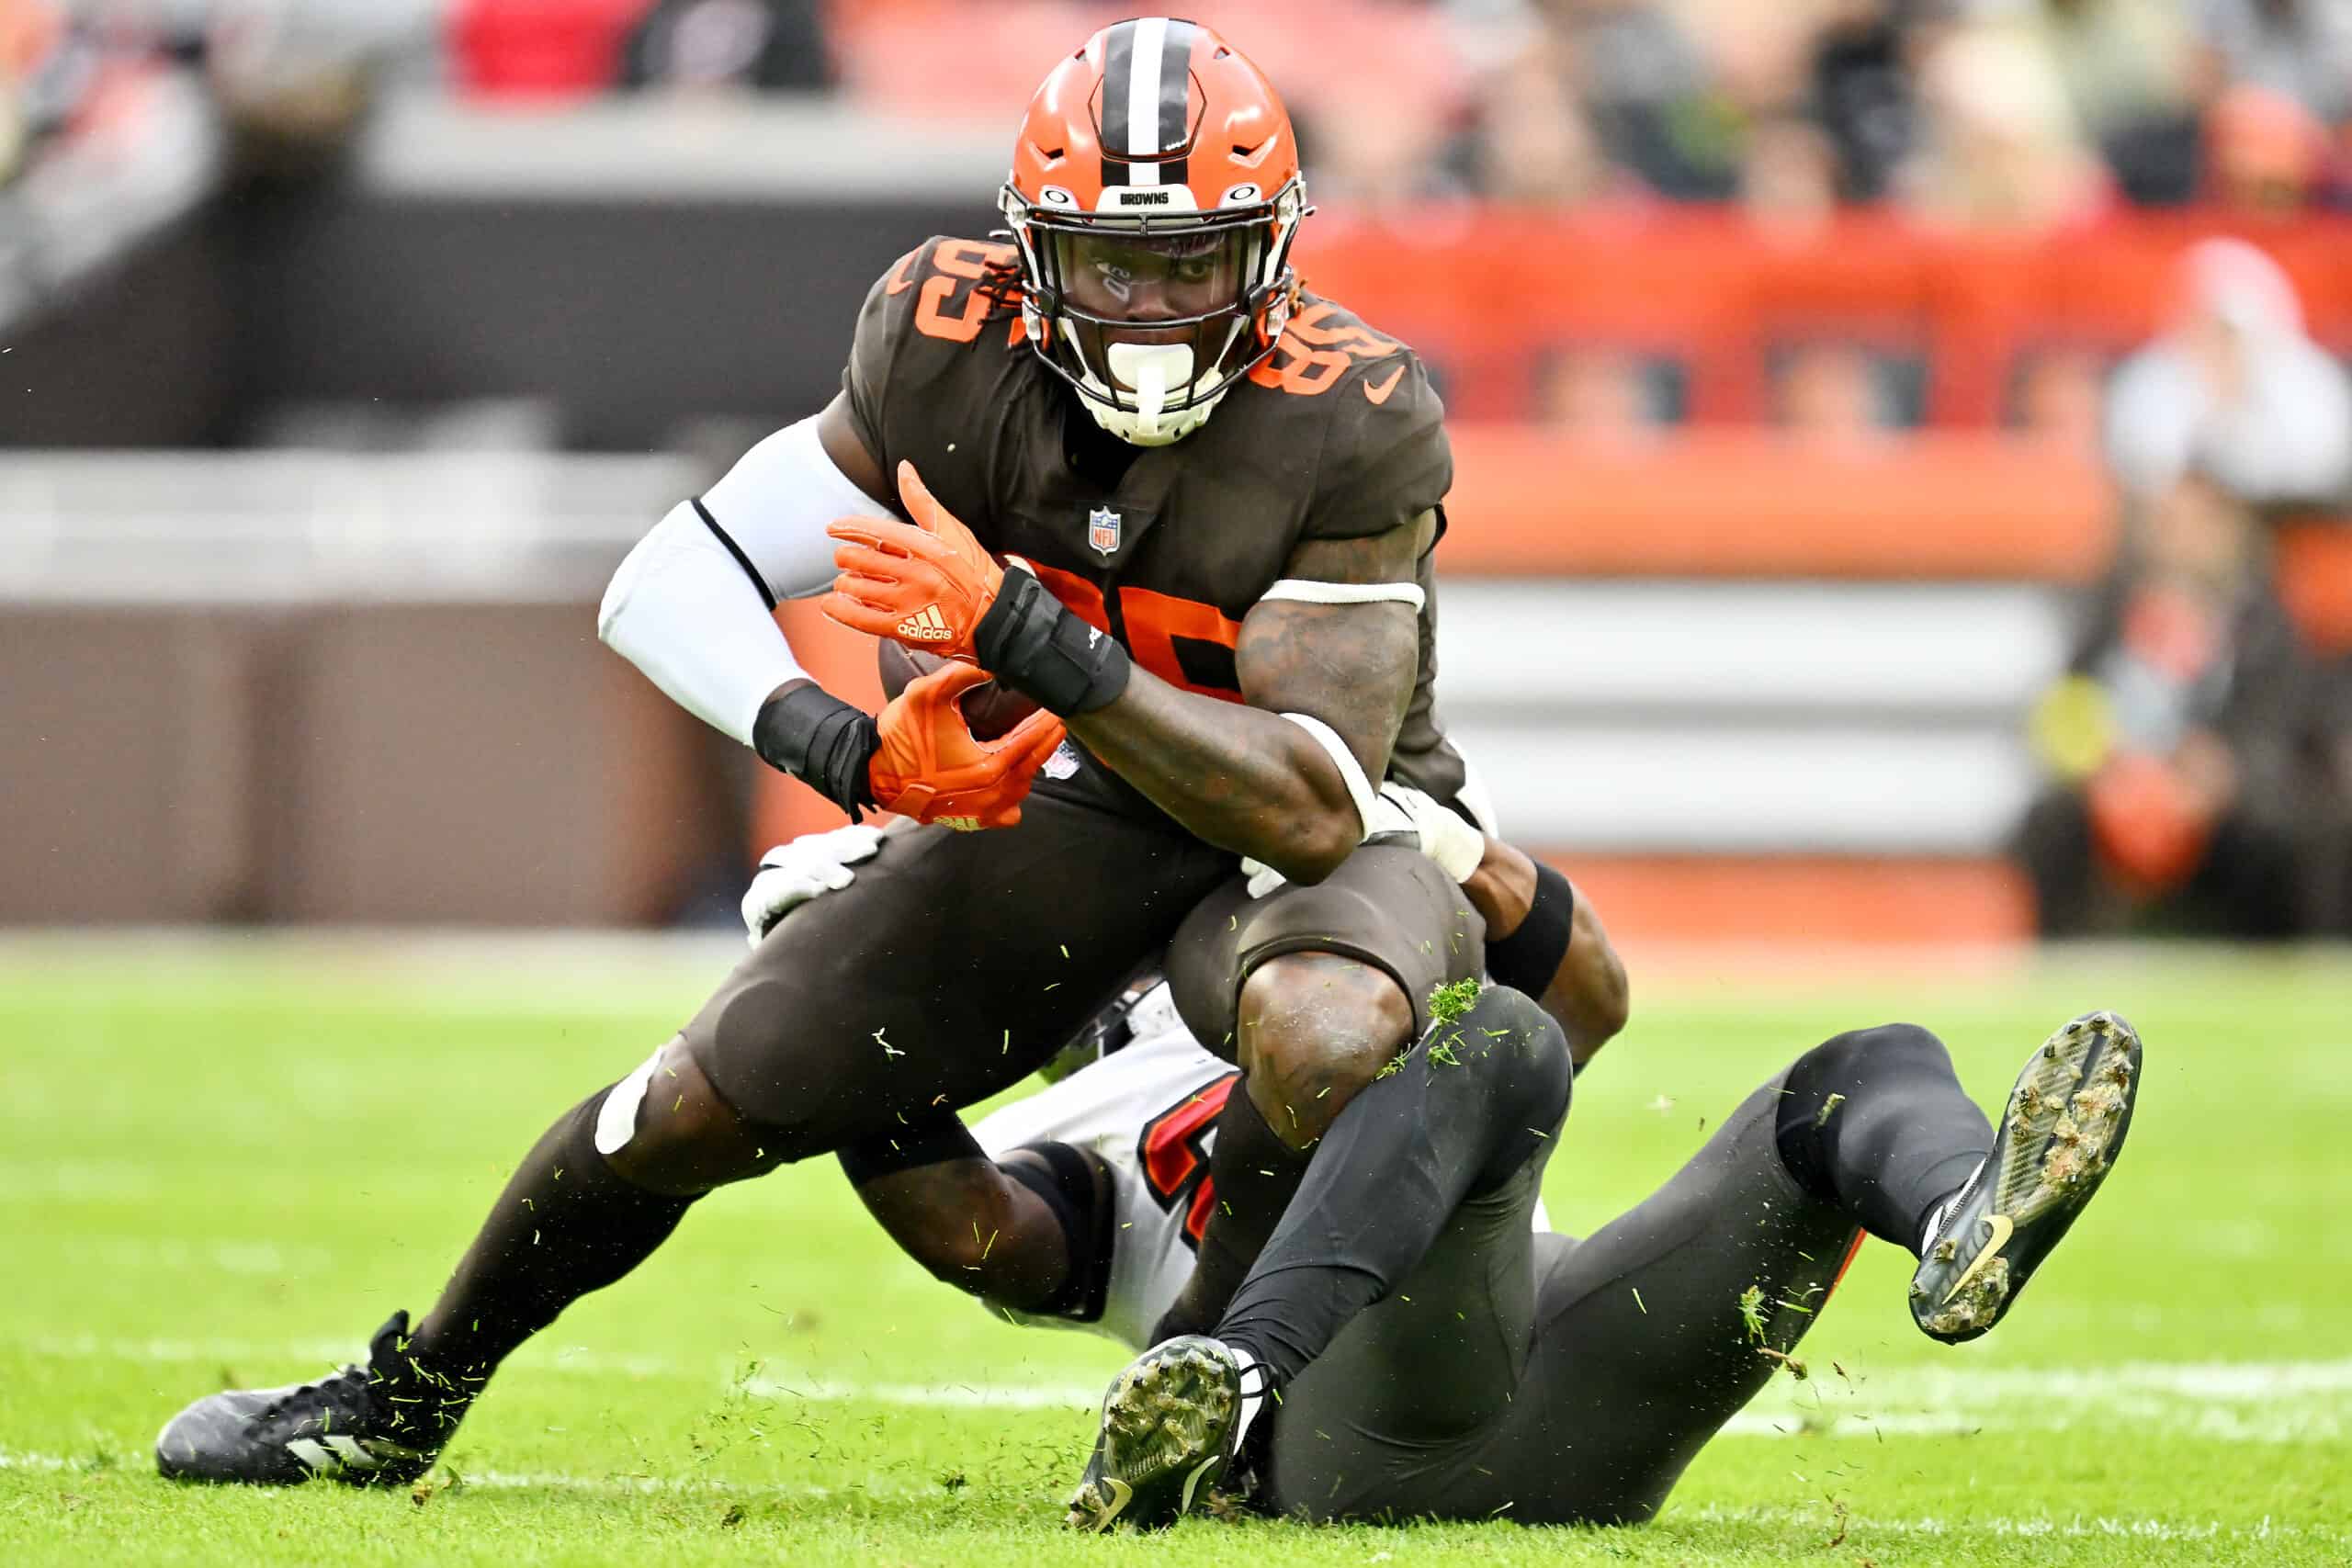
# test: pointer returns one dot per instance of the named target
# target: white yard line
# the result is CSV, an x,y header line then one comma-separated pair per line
x,y
2073,1525
2233,1401
933,1395
554,1481
2237,1402
297,1359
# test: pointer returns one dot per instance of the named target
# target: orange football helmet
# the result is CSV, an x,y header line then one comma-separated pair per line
x,y
1154,195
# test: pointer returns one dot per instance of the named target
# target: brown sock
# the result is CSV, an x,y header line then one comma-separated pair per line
x,y
565,1225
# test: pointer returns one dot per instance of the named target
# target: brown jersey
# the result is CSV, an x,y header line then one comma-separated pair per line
x,y
1337,435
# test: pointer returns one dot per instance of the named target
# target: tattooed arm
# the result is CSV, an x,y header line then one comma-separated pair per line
x,y
1247,779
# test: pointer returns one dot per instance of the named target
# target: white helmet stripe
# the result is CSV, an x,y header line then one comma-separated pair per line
x,y
1143,99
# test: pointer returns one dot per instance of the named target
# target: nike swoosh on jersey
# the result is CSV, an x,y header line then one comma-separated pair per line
x,y
2002,1225
1378,395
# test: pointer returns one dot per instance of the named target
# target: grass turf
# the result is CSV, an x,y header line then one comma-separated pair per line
x,y
220,1166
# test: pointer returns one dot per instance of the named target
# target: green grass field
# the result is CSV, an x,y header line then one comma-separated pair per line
x,y
225,1164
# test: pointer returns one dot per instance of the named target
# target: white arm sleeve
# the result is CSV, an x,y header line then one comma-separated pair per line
x,y
684,609
775,503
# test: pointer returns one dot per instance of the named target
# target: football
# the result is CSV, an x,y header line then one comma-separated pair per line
x,y
990,709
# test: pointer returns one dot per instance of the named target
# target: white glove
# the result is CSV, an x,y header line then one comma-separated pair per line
x,y
792,873
1441,834
1456,845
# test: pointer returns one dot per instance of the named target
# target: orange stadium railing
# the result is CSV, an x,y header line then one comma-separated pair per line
x,y
1488,294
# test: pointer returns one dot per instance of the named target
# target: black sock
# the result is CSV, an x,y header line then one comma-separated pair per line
x,y
1875,1123
565,1225
1255,1174
1473,1100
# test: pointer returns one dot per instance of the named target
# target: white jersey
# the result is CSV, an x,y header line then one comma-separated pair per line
x,y
1149,1111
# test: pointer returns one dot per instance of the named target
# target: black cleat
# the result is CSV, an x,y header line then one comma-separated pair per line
x,y
379,1425
2059,1135
1170,1426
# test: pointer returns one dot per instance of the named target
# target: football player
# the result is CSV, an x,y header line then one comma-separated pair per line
x,y
1148,483
1403,1348
1440,1352
1087,1204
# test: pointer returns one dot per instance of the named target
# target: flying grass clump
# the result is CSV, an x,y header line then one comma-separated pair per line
x,y
1450,1001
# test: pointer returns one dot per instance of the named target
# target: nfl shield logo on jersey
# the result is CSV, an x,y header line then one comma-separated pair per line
x,y
1103,529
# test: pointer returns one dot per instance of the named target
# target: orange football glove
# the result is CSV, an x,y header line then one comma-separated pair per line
x,y
925,583
931,767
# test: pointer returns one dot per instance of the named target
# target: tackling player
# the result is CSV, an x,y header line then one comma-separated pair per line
x,y
1440,1353
1130,1151
1230,615
1402,1348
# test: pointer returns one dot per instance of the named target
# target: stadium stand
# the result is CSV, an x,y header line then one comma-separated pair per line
x,y
1801,493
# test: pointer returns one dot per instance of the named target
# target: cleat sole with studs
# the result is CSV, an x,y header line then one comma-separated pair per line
x,y
1165,1422
2060,1133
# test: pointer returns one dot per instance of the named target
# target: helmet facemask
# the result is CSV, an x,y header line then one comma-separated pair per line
x,y
1153,320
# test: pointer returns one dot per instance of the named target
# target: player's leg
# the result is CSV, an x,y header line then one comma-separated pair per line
x,y
1639,1343
847,1022
1312,991
1079,1204
1449,1140
1027,1230
1653,1333
1470,1103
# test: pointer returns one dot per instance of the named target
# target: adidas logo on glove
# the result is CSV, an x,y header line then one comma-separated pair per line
x,y
926,624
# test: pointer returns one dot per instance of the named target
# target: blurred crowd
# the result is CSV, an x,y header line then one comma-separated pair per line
x,y
2014,114
2197,748
78,76
2008,114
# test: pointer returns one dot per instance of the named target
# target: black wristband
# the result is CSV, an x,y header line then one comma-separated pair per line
x,y
821,740
1529,958
1029,642
935,1140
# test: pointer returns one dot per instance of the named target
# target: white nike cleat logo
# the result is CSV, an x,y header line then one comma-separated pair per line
x,y
2002,1225
1194,1480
